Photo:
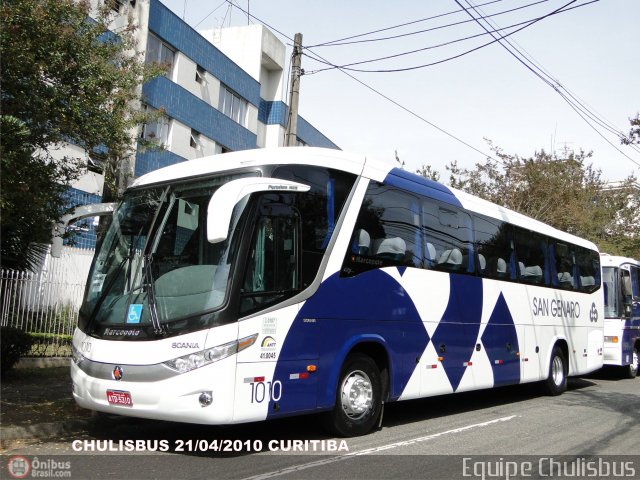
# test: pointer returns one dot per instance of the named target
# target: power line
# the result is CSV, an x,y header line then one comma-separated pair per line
x,y
319,58
583,107
440,27
533,70
454,57
344,39
377,92
431,47
209,14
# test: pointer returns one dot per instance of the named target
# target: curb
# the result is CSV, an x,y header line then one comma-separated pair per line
x,y
43,362
44,430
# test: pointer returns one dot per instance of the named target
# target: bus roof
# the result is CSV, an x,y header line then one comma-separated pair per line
x,y
615,261
357,164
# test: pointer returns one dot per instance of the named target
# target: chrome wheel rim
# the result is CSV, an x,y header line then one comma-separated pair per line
x,y
557,371
356,395
634,364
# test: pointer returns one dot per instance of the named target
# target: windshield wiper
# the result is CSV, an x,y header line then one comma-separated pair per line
x,y
158,329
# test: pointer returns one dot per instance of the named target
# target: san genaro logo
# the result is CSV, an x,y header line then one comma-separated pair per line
x,y
20,467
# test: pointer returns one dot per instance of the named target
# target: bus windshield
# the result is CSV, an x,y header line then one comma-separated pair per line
x,y
155,270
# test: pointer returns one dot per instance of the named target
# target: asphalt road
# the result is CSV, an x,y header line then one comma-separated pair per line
x,y
497,431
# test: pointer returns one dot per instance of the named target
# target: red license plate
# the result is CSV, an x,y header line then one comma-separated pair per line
x,y
119,397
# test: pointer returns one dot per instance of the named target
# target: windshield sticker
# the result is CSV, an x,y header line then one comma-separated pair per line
x,y
98,281
135,313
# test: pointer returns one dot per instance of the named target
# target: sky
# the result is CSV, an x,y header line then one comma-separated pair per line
x,y
456,108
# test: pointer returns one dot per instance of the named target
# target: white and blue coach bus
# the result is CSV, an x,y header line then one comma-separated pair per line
x,y
266,283
621,283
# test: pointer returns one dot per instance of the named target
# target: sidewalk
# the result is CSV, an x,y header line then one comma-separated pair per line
x,y
36,401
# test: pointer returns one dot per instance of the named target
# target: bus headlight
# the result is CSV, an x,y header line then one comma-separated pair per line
x,y
192,361
611,339
77,357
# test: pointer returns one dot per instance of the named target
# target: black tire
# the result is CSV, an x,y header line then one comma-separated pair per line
x,y
556,382
359,379
631,371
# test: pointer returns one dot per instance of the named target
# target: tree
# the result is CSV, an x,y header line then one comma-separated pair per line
x,y
634,132
65,79
564,191
428,172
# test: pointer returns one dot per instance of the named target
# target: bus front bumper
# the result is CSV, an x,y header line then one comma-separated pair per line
x,y
201,396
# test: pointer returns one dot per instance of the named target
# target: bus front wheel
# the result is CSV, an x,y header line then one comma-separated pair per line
x,y
631,371
556,382
358,398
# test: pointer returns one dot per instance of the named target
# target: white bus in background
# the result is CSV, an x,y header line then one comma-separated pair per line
x,y
621,282
273,282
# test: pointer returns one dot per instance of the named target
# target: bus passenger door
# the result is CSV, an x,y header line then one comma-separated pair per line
x,y
275,379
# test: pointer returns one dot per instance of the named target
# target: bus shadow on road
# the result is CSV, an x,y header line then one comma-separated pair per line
x,y
397,414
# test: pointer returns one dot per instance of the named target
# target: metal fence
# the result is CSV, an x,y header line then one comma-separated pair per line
x,y
45,302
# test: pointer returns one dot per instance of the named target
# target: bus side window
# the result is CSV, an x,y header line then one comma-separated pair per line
x,y
635,283
531,252
387,232
448,239
562,265
588,265
493,244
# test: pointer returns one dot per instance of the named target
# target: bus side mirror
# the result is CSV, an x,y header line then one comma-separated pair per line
x,y
84,211
224,200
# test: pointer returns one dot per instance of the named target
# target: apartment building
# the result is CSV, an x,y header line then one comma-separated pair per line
x,y
223,91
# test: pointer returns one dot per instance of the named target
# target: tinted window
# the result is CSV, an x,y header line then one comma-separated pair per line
x,y
447,238
531,256
387,231
563,269
635,281
493,244
588,269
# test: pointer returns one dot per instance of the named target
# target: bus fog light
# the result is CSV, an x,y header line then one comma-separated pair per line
x,y
205,399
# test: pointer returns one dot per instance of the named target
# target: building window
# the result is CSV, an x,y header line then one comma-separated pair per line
x,y
196,139
200,78
233,106
116,5
159,52
157,129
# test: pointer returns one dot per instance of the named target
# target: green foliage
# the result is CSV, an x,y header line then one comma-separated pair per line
x,y
14,343
65,79
428,172
634,132
50,345
564,191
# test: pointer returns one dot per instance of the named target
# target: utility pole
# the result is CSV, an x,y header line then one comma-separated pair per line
x,y
294,93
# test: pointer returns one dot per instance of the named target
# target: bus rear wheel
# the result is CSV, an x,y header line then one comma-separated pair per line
x,y
358,402
556,382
